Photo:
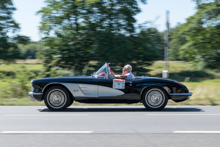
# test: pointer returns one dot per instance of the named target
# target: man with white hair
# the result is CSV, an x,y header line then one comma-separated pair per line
x,y
127,73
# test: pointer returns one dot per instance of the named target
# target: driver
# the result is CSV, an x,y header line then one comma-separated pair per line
x,y
127,74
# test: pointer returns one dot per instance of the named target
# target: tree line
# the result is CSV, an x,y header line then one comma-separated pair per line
x,y
198,39
79,31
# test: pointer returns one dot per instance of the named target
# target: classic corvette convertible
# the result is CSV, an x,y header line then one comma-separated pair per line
x,y
60,92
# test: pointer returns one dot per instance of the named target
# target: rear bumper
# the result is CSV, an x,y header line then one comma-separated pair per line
x,y
179,97
35,96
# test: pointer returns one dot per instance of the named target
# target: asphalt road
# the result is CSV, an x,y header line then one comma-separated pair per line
x,y
110,126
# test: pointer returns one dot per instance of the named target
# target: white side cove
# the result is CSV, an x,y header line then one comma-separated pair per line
x,y
106,91
72,87
87,90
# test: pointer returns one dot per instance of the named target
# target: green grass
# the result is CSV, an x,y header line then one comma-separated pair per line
x,y
203,84
179,70
204,93
174,66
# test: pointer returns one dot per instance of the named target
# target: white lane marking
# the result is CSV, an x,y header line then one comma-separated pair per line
x,y
44,132
44,115
202,132
183,114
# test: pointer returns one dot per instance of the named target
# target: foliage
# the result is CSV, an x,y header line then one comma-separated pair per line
x,y
32,50
21,39
202,32
139,51
177,39
7,23
80,31
145,50
157,42
211,60
8,50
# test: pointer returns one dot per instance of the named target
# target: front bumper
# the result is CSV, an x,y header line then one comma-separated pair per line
x,y
35,96
179,97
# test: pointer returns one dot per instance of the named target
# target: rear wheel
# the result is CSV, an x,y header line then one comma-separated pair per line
x,y
154,98
57,98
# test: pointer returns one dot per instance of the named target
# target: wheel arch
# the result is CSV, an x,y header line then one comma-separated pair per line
x,y
154,86
55,84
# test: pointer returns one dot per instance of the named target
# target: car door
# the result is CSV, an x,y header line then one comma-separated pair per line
x,y
106,90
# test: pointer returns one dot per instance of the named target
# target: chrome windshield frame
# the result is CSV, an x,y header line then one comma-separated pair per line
x,y
107,69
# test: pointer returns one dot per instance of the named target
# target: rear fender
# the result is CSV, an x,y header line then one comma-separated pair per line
x,y
166,89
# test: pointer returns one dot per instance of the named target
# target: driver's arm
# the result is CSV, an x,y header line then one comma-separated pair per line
x,y
112,72
120,76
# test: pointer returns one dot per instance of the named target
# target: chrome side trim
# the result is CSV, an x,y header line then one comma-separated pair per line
x,y
180,94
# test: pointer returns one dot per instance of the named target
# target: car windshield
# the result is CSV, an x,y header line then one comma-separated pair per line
x,y
101,71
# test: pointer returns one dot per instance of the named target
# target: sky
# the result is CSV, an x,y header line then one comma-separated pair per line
x,y
154,11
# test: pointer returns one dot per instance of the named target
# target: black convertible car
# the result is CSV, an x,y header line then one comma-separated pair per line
x,y
60,92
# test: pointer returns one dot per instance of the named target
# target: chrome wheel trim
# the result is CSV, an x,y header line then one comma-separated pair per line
x,y
56,98
155,98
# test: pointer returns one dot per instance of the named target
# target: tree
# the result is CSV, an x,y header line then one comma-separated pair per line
x,y
202,32
146,50
80,31
32,50
177,39
21,39
70,45
8,50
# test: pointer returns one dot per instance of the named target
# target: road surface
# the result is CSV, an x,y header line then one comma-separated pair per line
x,y
101,126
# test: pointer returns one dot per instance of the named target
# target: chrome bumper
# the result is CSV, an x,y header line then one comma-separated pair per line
x,y
35,96
179,97
182,94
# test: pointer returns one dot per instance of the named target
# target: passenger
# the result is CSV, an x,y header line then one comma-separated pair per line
x,y
127,72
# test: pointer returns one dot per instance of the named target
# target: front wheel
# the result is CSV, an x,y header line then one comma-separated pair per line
x,y
154,98
57,98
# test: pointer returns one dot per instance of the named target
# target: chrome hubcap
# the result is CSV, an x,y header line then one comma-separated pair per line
x,y
154,98
57,98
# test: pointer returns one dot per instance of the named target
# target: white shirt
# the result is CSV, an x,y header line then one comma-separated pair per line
x,y
129,75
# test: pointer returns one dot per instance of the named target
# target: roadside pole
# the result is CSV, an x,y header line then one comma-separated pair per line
x,y
165,73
